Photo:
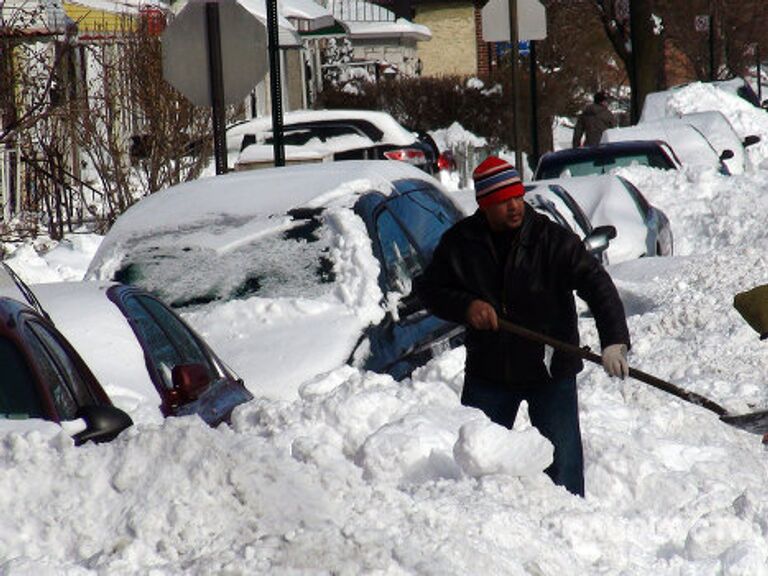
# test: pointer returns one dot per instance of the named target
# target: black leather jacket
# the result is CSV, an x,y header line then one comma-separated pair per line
x,y
533,288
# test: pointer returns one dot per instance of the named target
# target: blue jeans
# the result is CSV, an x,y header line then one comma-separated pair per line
x,y
554,410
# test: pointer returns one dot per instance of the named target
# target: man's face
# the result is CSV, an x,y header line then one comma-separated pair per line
x,y
506,215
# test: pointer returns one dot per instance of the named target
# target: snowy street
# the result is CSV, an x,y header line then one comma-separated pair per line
x,y
365,475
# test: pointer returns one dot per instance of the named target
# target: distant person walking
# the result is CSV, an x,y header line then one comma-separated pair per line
x,y
508,261
593,121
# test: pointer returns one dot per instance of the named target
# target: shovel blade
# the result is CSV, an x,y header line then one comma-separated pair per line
x,y
754,422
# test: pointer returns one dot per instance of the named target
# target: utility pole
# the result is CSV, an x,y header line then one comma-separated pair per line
x,y
513,42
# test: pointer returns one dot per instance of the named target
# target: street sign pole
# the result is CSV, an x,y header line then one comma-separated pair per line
x,y
513,51
712,71
515,20
214,53
759,73
218,116
275,87
534,159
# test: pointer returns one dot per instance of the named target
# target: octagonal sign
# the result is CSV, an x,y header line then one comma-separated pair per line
x,y
243,52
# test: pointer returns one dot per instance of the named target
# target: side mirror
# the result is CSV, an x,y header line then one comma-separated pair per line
x,y
189,381
750,140
596,242
726,155
103,423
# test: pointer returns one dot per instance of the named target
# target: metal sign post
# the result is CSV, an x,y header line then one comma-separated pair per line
x,y
513,47
275,85
513,21
214,52
218,117
535,153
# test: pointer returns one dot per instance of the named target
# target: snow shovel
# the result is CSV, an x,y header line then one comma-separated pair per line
x,y
754,422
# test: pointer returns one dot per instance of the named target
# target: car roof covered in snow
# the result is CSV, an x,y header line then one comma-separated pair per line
x,y
223,212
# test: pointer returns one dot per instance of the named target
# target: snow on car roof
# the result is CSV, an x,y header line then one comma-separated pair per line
x,y
313,150
393,131
227,210
702,96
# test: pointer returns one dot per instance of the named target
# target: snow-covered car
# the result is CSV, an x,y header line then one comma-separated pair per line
x,y
45,379
330,135
608,200
149,361
317,260
559,206
709,95
603,158
687,142
720,132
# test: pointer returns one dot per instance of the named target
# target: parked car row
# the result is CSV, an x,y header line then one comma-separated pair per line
x,y
110,351
662,140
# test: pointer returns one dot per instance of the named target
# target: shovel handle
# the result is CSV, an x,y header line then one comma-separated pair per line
x,y
590,356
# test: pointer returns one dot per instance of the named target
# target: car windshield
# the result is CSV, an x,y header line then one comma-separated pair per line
x,y
604,164
291,262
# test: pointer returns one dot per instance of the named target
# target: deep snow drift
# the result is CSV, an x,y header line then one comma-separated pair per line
x,y
364,475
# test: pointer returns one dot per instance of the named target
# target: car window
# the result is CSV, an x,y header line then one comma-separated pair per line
x,y
401,258
18,394
287,263
603,165
578,214
299,136
65,383
424,217
164,338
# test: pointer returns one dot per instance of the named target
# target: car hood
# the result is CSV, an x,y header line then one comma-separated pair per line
x,y
275,345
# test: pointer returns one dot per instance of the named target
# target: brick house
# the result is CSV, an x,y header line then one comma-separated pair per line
x,y
457,46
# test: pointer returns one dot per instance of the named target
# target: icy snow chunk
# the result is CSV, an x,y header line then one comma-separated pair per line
x,y
485,448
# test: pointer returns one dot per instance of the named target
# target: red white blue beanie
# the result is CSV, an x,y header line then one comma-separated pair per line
x,y
496,181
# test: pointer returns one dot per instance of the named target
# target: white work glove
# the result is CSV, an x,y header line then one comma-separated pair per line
x,y
615,360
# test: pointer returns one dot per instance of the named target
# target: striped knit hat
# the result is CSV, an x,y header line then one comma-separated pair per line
x,y
496,181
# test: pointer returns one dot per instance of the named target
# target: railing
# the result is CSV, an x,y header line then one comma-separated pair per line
x,y
358,11
467,156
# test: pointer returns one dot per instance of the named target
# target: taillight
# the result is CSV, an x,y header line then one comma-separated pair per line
x,y
446,162
410,155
